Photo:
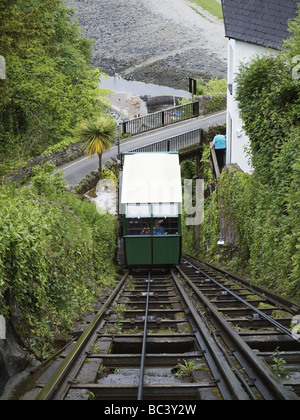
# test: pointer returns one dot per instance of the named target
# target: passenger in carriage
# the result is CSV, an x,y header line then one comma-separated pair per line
x,y
146,230
158,230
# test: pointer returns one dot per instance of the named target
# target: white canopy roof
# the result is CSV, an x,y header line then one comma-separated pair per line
x,y
151,178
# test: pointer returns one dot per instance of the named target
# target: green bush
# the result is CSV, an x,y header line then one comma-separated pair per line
x,y
267,224
269,104
269,100
264,208
109,174
50,86
56,254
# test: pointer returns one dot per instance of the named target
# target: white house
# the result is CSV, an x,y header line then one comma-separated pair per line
x,y
254,27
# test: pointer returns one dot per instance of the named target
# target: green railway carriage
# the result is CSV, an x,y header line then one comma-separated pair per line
x,y
150,202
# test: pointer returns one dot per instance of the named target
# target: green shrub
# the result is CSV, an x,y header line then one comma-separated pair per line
x,y
56,254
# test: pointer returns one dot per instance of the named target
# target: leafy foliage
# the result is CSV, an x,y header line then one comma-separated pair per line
x,y
269,100
212,6
217,88
56,253
50,86
212,87
186,368
264,208
97,136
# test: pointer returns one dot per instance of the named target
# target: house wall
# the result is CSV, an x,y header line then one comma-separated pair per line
x,y
237,141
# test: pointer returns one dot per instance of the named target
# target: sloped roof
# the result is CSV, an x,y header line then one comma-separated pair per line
x,y
260,22
151,178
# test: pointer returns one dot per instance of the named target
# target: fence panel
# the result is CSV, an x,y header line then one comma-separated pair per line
x,y
173,144
161,118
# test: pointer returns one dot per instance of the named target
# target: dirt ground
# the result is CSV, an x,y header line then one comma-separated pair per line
x,y
154,41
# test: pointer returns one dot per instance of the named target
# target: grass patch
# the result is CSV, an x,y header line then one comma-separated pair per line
x,y
211,6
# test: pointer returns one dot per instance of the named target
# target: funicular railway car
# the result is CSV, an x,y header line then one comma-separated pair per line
x,y
150,205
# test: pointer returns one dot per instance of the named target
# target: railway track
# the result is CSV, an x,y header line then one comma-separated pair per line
x,y
249,320
175,335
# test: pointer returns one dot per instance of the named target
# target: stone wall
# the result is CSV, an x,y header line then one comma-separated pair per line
x,y
92,179
210,104
58,158
13,359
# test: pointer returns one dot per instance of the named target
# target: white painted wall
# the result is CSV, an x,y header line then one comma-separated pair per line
x,y
237,141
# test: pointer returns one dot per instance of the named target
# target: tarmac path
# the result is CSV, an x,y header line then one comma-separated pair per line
x,y
75,171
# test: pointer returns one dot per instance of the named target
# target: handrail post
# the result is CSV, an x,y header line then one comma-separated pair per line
x,y
196,108
215,161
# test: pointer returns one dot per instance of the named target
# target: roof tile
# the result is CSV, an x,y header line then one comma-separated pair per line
x,y
261,22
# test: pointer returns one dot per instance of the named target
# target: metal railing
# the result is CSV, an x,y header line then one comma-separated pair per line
x,y
161,118
173,144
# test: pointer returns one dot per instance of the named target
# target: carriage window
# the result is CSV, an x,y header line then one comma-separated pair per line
x,y
165,219
165,226
138,219
140,226
138,210
165,210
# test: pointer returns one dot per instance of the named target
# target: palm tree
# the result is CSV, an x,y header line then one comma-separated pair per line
x,y
98,136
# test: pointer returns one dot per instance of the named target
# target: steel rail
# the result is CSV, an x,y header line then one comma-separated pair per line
x,y
143,358
253,308
227,382
53,385
288,305
275,389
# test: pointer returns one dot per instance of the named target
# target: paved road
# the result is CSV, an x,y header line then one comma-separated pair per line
x,y
74,172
